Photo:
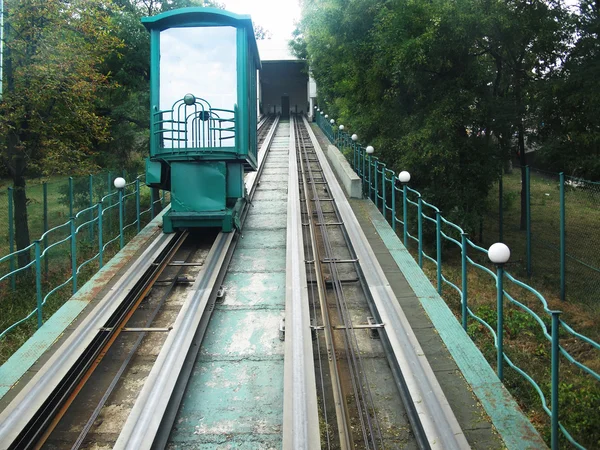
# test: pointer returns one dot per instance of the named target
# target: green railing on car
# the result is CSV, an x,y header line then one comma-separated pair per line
x,y
88,227
384,188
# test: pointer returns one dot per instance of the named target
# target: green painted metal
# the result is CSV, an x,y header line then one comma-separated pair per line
x,y
70,196
420,230
423,290
198,138
500,208
137,205
562,238
91,187
73,255
500,321
100,235
555,378
38,283
464,279
405,213
45,206
11,236
528,217
121,219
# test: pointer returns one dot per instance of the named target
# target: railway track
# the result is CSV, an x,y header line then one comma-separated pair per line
x,y
161,362
374,390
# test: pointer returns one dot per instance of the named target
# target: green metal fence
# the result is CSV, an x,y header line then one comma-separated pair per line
x,y
415,219
560,246
88,221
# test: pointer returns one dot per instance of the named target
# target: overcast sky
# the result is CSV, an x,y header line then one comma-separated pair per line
x,y
277,16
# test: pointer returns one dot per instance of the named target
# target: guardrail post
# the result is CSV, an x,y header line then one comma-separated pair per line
x,y
464,305
45,192
70,196
91,183
555,384
528,217
420,229
383,196
500,321
38,283
137,204
394,180
364,177
74,254
100,236
11,237
562,238
405,213
121,218
376,184
109,198
438,243
151,203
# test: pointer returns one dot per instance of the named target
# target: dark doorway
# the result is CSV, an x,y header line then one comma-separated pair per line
x,y
285,107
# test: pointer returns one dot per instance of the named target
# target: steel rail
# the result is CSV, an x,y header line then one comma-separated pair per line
x,y
437,419
338,392
15,418
362,393
300,412
154,408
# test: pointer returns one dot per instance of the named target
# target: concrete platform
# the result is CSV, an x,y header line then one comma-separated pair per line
x,y
487,413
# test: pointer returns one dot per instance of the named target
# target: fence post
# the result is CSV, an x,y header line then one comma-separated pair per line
x,y
121,212
363,171
91,183
555,372
500,208
464,305
500,321
376,188
562,238
38,283
438,245
45,191
405,213
109,198
100,236
383,196
137,204
74,254
11,237
420,229
528,217
151,203
70,196
394,179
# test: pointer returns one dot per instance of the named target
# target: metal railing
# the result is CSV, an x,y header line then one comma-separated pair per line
x,y
92,227
393,197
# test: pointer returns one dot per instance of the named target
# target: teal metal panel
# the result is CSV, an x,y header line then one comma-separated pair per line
x,y
235,181
198,187
513,426
153,172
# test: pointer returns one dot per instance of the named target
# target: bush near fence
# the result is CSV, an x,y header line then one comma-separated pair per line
x,y
551,369
71,249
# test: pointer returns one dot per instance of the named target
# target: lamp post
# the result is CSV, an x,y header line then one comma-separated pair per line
x,y
341,128
499,254
120,186
370,150
354,138
404,178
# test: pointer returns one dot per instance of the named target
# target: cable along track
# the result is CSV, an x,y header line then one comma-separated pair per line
x,y
365,398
